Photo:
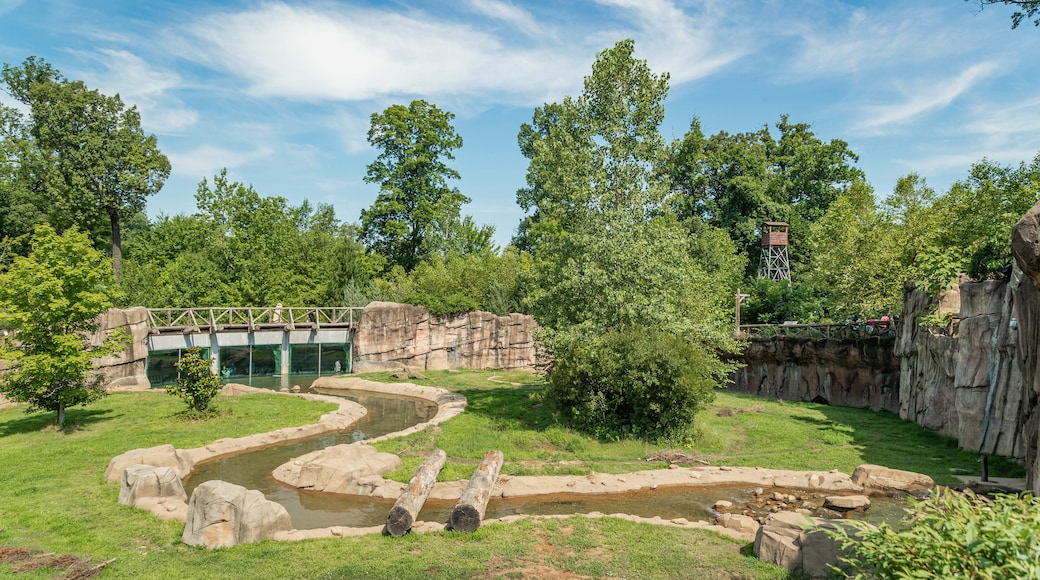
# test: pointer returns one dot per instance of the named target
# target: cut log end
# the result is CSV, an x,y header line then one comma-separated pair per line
x,y
464,518
399,522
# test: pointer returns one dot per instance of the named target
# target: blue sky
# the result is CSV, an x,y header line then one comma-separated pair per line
x,y
281,92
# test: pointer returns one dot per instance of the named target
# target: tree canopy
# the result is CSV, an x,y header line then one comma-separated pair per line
x,y
415,202
49,304
81,157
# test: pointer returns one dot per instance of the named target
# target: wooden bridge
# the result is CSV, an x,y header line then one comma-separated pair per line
x,y
250,319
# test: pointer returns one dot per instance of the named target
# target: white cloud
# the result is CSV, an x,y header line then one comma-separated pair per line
x,y
137,83
208,160
509,13
924,97
350,53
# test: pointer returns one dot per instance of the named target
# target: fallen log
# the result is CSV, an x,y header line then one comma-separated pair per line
x,y
408,506
466,515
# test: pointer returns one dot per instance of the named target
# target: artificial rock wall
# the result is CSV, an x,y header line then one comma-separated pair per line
x,y
964,383
1025,245
850,373
393,336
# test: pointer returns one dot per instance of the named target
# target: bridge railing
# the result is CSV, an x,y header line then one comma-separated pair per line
x,y
832,331
189,320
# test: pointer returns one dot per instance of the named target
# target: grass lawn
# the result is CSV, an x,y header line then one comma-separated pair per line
x,y
54,498
739,430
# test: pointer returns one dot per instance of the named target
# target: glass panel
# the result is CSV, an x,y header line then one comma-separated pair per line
x,y
234,362
304,358
335,358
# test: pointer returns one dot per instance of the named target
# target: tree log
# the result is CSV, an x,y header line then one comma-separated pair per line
x,y
408,506
466,515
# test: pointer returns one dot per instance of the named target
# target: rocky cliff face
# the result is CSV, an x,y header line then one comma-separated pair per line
x,y
850,373
1025,245
393,336
964,383
128,370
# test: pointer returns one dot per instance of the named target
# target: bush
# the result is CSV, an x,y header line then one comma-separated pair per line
x,y
197,384
951,535
634,383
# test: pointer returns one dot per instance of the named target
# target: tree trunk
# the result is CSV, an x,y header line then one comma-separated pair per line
x,y
408,506
117,245
466,515
61,414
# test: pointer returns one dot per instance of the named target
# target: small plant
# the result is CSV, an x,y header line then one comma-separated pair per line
x,y
950,535
197,384
936,321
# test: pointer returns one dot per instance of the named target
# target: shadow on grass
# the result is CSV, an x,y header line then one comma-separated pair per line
x,y
885,439
75,420
510,407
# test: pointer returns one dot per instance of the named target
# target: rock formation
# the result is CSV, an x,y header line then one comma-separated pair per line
x,y
391,336
222,514
849,372
157,489
793,541
964,382
127,369
1025,245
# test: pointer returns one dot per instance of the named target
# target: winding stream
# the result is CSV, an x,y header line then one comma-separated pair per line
x,y
391,413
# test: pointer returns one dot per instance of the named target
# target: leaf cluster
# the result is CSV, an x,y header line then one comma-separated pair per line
x,y
197,384
950,535
638,382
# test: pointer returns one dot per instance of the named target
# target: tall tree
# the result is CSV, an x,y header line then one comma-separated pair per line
x,y
97,162
736,182
50,302
412,173
615,274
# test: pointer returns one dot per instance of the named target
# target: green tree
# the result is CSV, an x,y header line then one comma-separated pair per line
x,y
856,258
736,182
411,170
98,164
197,383
49,303
609,255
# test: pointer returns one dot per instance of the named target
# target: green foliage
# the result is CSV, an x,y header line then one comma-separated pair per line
x,y
85,150
775,302
244,249
1024,10
951,535
736,182
459,283
978,213
856,258
415,203
197,384
49,302
635,383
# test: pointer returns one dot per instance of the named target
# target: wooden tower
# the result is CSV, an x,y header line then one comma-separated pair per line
x,y
774,263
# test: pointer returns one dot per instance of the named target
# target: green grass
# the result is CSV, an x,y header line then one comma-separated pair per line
x,y
738,430
54,499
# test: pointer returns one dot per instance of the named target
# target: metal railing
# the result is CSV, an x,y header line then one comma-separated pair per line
x,y
832,331
192,320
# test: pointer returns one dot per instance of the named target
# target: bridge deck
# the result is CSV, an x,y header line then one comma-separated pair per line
x,y
250,319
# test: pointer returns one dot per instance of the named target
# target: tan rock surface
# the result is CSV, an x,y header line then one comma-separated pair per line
x,y
393,336
886,479
222,514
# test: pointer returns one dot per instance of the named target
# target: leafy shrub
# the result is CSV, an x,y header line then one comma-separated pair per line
x,y
638,382
951,535
197,384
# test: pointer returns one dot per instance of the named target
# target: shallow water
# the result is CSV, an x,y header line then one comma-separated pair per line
x,y
388,414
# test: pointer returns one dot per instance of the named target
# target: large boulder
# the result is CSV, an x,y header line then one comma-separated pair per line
x,y
159,456
156,489
886,480
797,542
222,514
337,469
